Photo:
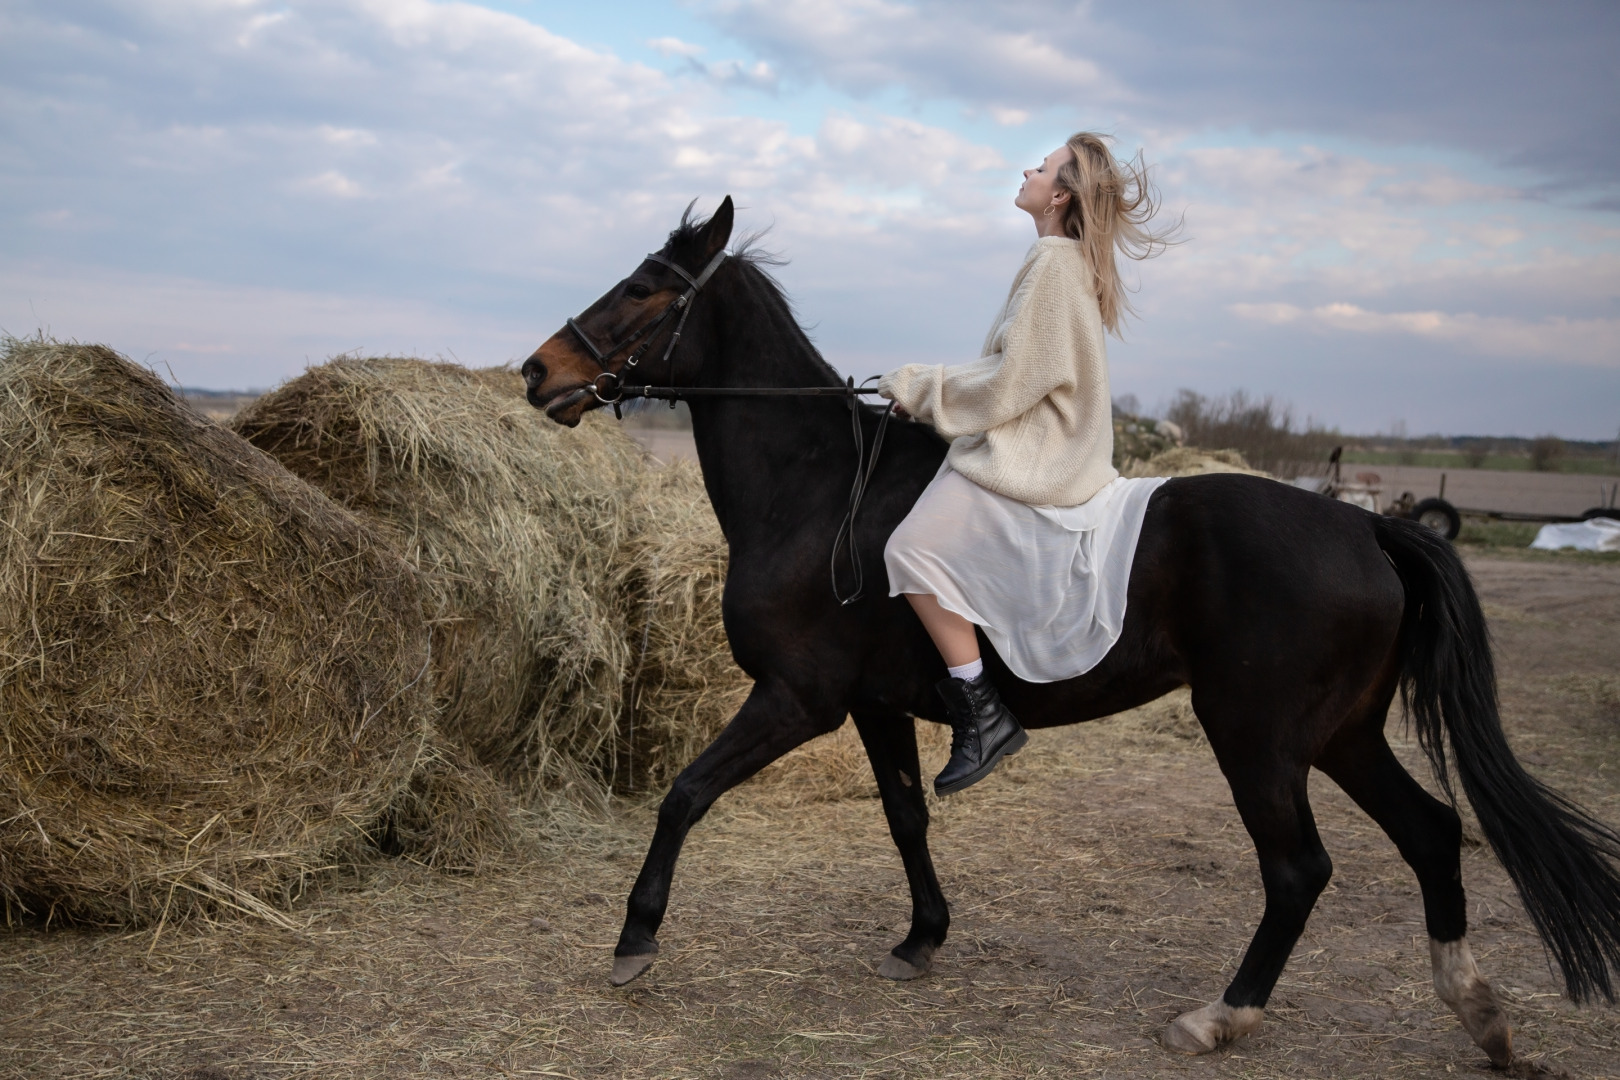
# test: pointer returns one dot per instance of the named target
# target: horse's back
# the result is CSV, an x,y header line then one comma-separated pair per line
x,y
1237,580
1271,586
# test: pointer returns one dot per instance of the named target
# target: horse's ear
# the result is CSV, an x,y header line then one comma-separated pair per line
x,y
717,233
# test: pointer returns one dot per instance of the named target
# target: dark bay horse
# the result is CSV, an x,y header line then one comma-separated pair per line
x,y
1294,619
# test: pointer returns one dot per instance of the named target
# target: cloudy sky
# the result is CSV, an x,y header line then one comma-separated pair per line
x,y
1394,212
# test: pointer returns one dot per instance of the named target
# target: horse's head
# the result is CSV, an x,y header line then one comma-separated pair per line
x,y
631,324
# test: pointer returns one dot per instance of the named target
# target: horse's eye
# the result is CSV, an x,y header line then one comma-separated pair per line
x,y
639,292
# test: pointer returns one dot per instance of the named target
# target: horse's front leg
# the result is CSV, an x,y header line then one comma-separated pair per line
x,y
891,744
771,722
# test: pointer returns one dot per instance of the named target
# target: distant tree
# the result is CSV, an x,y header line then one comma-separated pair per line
x,y
1258,428
1545,452
1476,454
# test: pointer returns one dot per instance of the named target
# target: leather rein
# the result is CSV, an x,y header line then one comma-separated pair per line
x,y
608,388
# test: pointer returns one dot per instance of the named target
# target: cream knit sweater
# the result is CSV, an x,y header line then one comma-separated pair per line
x,y
1031,419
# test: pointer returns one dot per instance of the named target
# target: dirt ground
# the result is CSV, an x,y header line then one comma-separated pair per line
x,y
1100,883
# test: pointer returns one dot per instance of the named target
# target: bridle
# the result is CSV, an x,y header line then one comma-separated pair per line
x,y
615,392
649,331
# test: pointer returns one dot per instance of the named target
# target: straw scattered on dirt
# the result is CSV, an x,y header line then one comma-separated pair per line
x,y
1100,883
211,677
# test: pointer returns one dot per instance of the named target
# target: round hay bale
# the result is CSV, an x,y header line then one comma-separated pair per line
x,y
515,524
213,680
684,685
452,816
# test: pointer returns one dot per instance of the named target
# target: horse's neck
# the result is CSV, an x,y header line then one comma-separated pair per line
x,y
769,463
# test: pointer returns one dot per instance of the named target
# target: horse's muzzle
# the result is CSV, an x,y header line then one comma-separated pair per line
x,y
534,377
557,401
561,407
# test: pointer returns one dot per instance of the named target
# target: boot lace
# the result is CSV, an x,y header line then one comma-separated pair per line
x,y
961,735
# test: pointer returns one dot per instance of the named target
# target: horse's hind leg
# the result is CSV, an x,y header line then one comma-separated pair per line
x,y
891,745
1294,867
1428,834
771,722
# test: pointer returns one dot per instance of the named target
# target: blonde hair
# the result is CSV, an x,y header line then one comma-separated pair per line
x,y
1109,207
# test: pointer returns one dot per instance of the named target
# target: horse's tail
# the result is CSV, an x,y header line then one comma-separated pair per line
x,y
1558,856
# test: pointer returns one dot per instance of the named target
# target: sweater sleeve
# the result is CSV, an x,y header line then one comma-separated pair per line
x,y
1038,354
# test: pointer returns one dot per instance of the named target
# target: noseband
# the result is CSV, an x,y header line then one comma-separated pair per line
x,y
682,304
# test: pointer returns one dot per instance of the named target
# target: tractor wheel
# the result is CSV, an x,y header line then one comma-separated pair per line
x,y
1438,515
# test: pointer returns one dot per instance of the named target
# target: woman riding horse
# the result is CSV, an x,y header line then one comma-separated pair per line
x,y
1295,619
1016,531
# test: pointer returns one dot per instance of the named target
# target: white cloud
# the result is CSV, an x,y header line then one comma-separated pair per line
x,y
244,191
202,333
338,136
965,49
759,75
412,149
671,46
1582,341
1385,71
332,182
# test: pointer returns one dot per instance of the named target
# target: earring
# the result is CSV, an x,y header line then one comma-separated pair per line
x,y
1048,212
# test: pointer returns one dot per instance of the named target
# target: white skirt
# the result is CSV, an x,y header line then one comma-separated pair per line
x,y
1047,583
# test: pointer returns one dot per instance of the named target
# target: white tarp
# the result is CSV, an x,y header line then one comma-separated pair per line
x,y
1599,534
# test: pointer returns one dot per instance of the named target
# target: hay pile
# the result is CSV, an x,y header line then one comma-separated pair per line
x,y
565,577
1138,438
212,679
1190,461
683,685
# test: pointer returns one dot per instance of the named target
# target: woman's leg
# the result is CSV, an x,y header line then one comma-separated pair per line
x,y
953,635
984,730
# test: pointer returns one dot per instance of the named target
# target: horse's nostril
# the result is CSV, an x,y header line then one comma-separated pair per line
x,y
534,373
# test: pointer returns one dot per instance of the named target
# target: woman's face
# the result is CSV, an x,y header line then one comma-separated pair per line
x,y
1040,184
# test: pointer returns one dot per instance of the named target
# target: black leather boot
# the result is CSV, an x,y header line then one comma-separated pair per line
x,y
983,731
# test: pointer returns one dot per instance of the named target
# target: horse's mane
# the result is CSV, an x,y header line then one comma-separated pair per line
x,y
749,251
748,247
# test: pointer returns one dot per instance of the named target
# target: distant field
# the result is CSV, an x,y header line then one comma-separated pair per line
x,y
218,405
1451,459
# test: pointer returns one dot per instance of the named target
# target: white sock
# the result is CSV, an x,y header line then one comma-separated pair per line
x,y
971,670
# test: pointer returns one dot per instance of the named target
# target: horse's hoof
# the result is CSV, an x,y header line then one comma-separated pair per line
x,y
1497,1041
1486,1022
1184,1040
1210,1028
904,970
1459,984
628,968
